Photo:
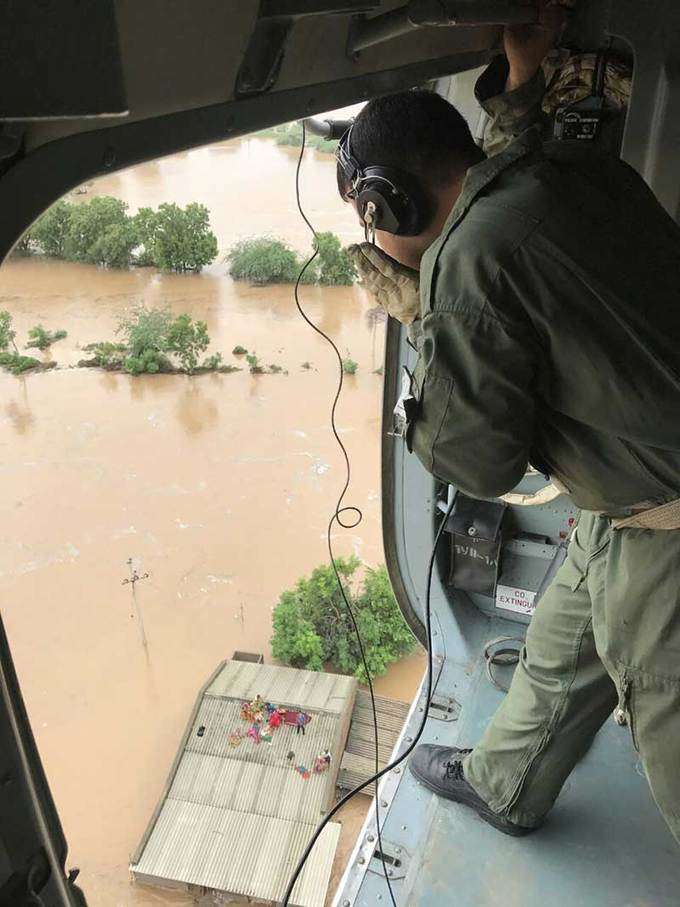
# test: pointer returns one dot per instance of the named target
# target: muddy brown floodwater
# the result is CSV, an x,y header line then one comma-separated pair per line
x,y
218,486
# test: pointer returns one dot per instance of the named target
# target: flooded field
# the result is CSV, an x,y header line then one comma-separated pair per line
x,y
218,486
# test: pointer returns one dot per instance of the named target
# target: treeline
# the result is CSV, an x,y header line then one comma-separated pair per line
x,y
290,134
266,259
101,232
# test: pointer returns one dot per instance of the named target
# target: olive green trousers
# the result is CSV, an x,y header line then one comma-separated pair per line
x,y
605,638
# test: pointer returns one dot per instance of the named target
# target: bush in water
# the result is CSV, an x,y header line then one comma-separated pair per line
x,y
186,339
333,265
312,626
41,339
254,364
16,363
7,334
152,336
349,366
106,354
265,259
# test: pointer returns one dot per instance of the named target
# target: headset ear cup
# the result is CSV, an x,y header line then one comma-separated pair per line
x,y
386,218
401,207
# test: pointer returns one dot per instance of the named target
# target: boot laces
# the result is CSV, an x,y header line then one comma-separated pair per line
x,y
454,770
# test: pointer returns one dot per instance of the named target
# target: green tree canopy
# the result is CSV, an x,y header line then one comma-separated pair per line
x,y
265,259
187,339
100,233
41,339
50,231
312,626
152,336
7,332
333,265
176,239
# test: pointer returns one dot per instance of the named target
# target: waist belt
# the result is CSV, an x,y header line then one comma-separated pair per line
x,y
666,516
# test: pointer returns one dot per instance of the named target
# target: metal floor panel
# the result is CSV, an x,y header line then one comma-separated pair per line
x,y
605,844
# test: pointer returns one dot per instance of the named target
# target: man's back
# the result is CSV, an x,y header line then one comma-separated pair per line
x,y
556,279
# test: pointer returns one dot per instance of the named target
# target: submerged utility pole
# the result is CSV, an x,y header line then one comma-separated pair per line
x,y
133,579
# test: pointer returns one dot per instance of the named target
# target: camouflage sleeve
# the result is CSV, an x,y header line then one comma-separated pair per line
x,y
510,112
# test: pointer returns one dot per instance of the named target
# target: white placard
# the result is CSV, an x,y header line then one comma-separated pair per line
x,y
520,600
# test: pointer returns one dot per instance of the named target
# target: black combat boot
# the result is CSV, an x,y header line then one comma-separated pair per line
x,y
440,768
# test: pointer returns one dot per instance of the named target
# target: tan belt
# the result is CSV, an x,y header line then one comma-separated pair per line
x,y
666,516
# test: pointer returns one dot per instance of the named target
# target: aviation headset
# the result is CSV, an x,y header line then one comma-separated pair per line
x,y
387,199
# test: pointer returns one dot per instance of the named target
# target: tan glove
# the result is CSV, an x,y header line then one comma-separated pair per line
x,y
395,287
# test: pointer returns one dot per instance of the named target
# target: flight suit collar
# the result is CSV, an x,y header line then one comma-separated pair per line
x,y
479,176
476,180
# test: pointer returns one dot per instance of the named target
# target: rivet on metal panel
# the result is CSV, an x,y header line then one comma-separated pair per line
x,y
361,861
384,803
397,770
409,739
370,838
403,828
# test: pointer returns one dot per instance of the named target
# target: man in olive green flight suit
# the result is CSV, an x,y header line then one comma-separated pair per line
x,y
548,333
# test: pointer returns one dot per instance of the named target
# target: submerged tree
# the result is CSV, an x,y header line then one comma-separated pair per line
x,y
41,339
100,232
187,338
152,336
265,259
7,332
312,625
176,239
334,267
50,231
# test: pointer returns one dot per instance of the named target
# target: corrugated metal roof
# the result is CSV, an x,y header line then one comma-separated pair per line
x,y
288,686
233,851
236,819
246,787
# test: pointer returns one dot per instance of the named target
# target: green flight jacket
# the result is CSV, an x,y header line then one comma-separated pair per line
x,y
551,331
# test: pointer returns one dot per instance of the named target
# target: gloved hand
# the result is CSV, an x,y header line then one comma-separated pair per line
x,y
395,287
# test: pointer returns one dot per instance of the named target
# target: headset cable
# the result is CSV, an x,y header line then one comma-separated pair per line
x,y
347,522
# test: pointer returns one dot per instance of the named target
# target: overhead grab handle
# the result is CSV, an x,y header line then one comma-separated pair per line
x,y
418,14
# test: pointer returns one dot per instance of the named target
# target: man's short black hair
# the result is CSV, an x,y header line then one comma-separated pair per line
x,y
415,131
